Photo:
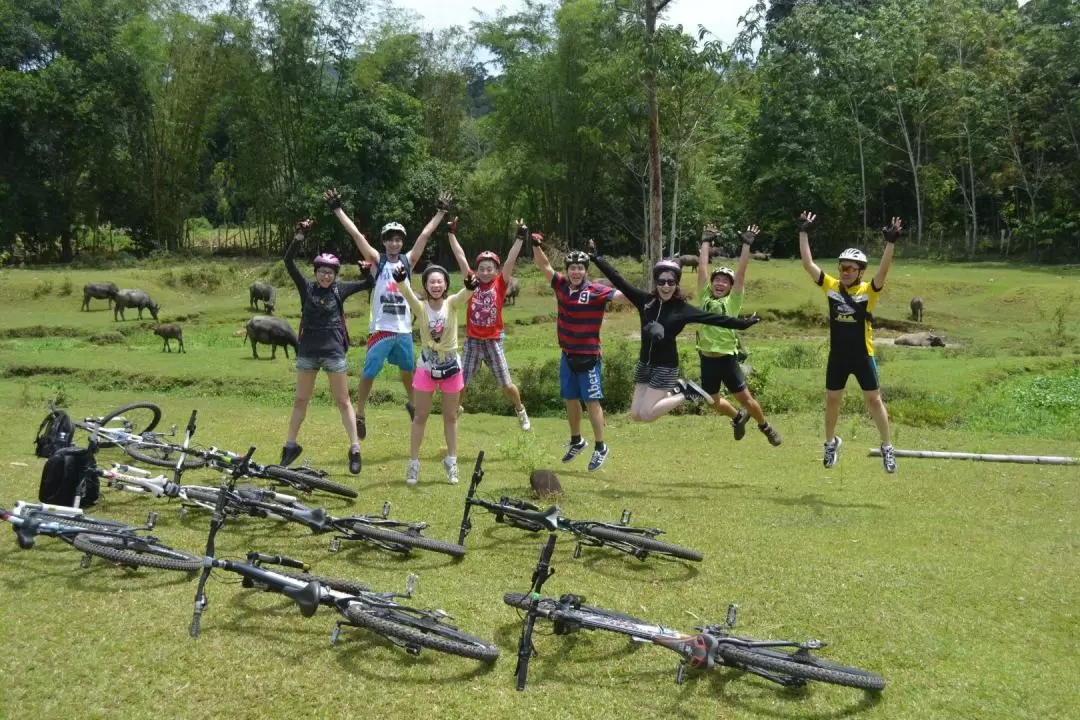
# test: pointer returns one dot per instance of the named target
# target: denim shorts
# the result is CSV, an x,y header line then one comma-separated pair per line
x,y
329,364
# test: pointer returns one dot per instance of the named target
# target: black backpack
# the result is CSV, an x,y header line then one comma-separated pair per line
x,y
55,432
68,478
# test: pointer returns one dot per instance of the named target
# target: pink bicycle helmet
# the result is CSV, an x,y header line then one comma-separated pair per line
x,y
488,255
327,260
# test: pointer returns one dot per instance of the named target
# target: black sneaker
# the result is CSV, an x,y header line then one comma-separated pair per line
x,y
738,425
832,451
693,391
354,461
574,449
289,454
772,435
411,409
361,427
598,458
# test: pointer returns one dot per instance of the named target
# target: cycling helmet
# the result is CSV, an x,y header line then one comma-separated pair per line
x,y
577,257
855,255
392,227
327,260
722,271
488,255
667,265
429,270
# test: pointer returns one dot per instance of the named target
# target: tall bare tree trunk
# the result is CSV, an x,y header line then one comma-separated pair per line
x,y
656,198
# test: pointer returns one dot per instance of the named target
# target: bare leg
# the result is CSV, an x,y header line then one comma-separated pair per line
x,y
449,422
305,383
514,396
416,436
658,403
876,406
833,398
596,419
406,380
362,392
722,406
748,401
573,416
637,405
339,388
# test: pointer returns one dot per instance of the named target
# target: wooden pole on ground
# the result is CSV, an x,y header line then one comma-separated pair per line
x,y
1028,459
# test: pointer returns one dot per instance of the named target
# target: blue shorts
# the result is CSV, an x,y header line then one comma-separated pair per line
x,y
586,386
396,349
329,364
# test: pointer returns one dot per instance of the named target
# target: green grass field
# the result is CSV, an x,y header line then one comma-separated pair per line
x,y
957,581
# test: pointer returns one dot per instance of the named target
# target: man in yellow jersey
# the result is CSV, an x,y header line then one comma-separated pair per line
x,y
851,344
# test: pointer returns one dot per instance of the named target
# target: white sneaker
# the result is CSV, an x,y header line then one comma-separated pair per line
x,y
450,465
413,475
523,419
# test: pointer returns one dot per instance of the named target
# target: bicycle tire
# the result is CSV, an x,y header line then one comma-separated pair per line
x,y
116,550
350,587
200,494
433,634
814,668
307,482
154,409
159,455
381,534
83,521
643,542
522,601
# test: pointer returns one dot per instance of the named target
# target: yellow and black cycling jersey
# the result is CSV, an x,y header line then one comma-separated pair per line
x,y
850,315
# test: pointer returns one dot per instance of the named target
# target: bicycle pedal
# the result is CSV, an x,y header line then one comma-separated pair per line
x,y
577,551
335,545
335,634
84,561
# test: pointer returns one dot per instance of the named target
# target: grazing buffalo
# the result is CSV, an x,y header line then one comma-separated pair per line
x,y
920,339
916,309
690,261
764,257
270,331
134,299
262,291
170,332
101,291
513,288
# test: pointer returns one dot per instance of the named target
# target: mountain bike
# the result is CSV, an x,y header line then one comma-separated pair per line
x,y
784,662
409,628
637,541
114,541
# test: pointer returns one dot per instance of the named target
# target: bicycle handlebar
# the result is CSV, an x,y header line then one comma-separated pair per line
x,y
258,557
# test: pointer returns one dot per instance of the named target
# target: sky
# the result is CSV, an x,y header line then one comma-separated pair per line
x,y
719,16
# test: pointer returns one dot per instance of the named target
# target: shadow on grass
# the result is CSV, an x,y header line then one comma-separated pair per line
x,y
720,677
614,564
818,503
662,491
96,580
385,659
371,556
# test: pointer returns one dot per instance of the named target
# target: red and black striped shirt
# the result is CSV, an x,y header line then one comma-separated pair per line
x,y
581,313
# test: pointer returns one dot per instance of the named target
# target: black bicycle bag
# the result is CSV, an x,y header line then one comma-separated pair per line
x,y
54,432
68,478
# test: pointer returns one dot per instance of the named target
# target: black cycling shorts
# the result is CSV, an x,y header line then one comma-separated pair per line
x,y
840,366
721,370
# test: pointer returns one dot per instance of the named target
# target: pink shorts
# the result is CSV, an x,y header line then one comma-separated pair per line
x,y
423,382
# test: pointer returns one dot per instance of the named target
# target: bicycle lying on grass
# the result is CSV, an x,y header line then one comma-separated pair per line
x,y
406,627
784,662
114,541
379,530
522,514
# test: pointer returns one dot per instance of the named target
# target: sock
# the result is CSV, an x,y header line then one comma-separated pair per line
x,y
763,426
599,445
290,443
451,459
575,439
355,447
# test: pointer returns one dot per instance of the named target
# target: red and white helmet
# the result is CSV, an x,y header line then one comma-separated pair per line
x,y
327,260
488,255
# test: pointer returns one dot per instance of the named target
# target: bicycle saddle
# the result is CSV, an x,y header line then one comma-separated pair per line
x,y
307,597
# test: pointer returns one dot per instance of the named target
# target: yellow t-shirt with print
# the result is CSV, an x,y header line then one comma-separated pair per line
x,y
850,317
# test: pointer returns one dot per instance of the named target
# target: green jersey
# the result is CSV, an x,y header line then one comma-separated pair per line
x,y
718,340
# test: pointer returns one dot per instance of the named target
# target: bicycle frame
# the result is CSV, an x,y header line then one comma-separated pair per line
x,y
28,526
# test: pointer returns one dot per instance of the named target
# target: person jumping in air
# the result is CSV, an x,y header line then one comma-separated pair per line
x,y
484,320
439,367
324,342
581,304
851,343
390,330
722,293
664,313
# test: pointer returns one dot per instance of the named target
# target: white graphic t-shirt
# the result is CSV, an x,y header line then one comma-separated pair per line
x,y
389,311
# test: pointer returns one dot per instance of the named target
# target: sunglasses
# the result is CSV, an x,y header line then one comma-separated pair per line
x,y
325,271
850,268
666,281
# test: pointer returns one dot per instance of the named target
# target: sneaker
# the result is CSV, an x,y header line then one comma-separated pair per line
x,y
888,458
354,461
598,458
739,424
574,449
450,465
693,391
289,453
523,420
411,409
361,427
832,451
413,475
772,435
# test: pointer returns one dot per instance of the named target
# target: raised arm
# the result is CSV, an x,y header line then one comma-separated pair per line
x,y
456,249
806,219
333,201
892,233
401,277
748,237
635,295
515,250
540,258
417,249
708,237
694,315
302,229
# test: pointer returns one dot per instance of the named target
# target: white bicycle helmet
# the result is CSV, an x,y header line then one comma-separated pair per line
x,y
392,227
722,271
856,256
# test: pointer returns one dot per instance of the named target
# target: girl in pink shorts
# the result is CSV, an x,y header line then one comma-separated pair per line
x,y
439,366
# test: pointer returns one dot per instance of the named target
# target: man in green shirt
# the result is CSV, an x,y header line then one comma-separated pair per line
x,y
722,293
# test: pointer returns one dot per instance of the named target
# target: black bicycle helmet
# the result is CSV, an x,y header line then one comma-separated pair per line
x,y
434,269
577,257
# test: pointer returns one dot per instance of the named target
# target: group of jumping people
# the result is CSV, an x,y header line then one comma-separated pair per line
x,y
581,303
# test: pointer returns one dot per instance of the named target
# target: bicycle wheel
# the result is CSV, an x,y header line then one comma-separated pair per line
x,y
643,542
406,541
199,495
420,631
350,587
162,455
306,482
809,668
83,521
137,552
140,416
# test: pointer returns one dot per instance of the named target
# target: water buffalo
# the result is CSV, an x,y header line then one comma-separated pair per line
x,y
513,288
920,339
270,331
916,309
762,256
170,332
101,291
262,291
134,299
690,261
